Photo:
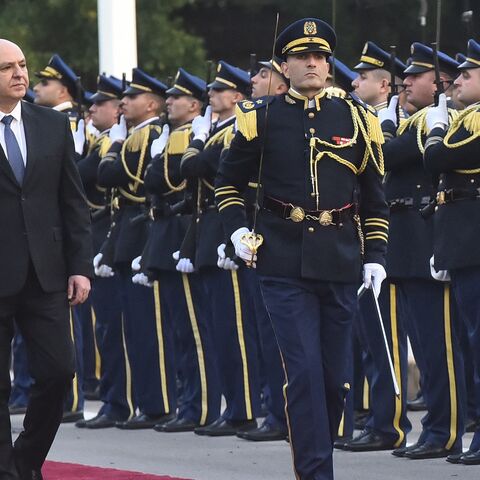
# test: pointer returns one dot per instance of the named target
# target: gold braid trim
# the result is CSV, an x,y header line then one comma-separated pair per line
x,y
470,120
247,123
178,142
138,141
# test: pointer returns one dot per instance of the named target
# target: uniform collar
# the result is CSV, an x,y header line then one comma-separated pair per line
x,y
146,122
61,107
380,106
293,96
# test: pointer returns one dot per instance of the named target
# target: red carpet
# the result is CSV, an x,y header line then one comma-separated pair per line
x,y
72,471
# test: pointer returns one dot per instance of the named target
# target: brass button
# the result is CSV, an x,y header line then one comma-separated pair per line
x,y
418,186
197,220
312,194
312,131
311,229
472,180
436,208
311,115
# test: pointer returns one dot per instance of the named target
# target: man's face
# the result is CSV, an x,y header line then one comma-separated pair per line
x,y
468,86
49,92
261,83
104,114
420,88
180,108
137,108
222,100
13,73
307,71
368,86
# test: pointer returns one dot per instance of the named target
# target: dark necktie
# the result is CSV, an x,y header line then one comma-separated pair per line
x,y
13,150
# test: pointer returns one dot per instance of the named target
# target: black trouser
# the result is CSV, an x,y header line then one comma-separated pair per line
x,y
43,320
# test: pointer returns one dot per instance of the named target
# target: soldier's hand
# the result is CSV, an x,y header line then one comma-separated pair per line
x,y
158,145
440,275
241,250
224,262
373,276
142,279
79,137
102,270
118,132
389,113
184,265
438,116
201,125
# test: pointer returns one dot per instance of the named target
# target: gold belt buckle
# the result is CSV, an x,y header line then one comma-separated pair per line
x,y
325,218
297,214
440,198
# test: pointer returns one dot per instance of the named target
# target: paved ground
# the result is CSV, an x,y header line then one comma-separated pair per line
x,y
192,457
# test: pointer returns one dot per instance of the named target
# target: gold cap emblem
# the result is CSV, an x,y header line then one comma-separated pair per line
x,y
310,28
248,105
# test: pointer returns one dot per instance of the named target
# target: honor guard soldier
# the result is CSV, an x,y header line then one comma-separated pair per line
x,y
321,167
269,78
229,290
421,303
57,89
123,168
386,424
452,151
186,308
105,312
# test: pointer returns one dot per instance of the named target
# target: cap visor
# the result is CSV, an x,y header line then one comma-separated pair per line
x,y
413,69
466,64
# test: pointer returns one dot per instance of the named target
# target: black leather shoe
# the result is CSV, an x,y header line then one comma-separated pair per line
x,y
100,421
176,425
143,421
428,450
400,452
417,404
72,417
265,433
369,441
25,472
340,442
456,457
470,458
16,409
223,428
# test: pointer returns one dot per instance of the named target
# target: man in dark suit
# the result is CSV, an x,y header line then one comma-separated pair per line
x,y
45,261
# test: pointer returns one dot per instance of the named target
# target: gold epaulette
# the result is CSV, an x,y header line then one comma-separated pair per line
x,y
335,92
102,143
179,140
224,136
138,141
469,119
246,113
366,118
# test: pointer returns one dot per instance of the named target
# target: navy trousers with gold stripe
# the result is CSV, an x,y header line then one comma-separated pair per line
x,y
115,377
312,321
146,345
466,288
188,313
235,339
432,325
388,413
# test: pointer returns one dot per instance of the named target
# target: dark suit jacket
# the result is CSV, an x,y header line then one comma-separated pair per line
x,y
46,219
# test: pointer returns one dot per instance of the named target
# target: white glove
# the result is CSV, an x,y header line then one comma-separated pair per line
x,y
438,116
118,132
201,125
389,113
136,264
142,279
158,145
223,261
373,276
241,250
79,136
440,275
184,265
102,270
91,129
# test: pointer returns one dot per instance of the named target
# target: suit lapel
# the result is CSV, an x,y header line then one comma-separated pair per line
x,y
32,138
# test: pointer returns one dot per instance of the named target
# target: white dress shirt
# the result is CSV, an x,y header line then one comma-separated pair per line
x,y
17,129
